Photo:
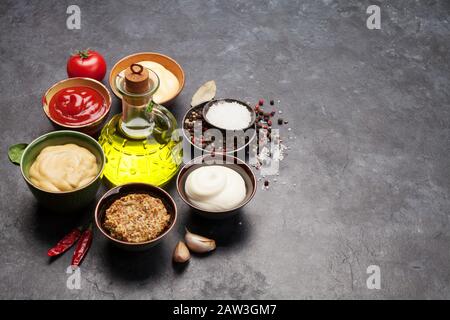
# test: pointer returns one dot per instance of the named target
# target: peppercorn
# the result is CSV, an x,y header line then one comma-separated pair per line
x,y
272,113
261,113
261,102
286,122
269,122
280,121
271,102
266,183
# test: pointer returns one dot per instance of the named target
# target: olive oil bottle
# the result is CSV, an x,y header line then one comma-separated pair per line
x,y
140,144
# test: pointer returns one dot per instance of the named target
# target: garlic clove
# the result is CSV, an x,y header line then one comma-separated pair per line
x,y
204,94
199,244
181,253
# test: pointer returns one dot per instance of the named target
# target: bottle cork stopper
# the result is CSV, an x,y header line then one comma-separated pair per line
x,y
136,79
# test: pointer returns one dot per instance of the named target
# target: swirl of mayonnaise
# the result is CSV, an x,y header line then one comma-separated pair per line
x,y
215,188
63,168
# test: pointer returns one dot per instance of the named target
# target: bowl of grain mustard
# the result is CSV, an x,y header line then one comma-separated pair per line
x,y
135,216
63,169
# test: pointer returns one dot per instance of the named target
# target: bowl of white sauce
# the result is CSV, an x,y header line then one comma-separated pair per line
x,y
216,186
170,74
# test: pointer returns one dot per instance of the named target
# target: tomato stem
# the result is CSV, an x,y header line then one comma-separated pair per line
x,y
84,54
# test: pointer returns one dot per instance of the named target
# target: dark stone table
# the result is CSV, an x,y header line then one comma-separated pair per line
x,y
365,181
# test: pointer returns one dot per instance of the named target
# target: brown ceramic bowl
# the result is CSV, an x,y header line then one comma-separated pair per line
x,y
223,160
122,190
91,128
163,60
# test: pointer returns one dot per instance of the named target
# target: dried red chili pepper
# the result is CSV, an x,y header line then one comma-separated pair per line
x,y
83,246
65,243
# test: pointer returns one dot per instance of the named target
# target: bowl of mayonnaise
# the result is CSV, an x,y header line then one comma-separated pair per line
x,y
63,169
216,185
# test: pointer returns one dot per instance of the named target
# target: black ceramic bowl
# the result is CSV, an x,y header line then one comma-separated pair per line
x,y
195,149
122,190
223,160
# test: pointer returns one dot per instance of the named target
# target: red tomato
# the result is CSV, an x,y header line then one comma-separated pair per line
x,y
87,63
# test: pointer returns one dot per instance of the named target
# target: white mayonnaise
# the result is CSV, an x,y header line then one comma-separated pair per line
x,y
215,188
63,168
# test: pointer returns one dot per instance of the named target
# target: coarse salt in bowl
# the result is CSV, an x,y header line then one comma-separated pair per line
x,y
229,114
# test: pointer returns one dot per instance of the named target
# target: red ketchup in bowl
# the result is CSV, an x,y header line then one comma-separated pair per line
x,y
77,106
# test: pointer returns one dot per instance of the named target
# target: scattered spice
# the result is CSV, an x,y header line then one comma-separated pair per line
x,y
65,243
82,247
267,153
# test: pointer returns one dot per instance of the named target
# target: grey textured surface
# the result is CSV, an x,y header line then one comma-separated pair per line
x,y
366,180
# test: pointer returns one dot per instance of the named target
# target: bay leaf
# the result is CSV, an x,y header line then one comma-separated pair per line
x,y
204,94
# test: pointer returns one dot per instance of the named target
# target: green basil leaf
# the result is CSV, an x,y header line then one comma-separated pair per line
x,y
15,152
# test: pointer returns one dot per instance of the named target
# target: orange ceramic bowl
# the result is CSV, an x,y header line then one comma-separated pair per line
x,y
163,60
91,128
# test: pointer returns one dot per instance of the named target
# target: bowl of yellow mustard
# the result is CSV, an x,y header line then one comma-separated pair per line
x,y
63,169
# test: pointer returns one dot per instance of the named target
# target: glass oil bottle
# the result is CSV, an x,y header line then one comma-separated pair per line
x,y
139,143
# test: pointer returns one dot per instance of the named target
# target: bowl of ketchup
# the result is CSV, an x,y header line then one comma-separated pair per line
x,y
80,104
